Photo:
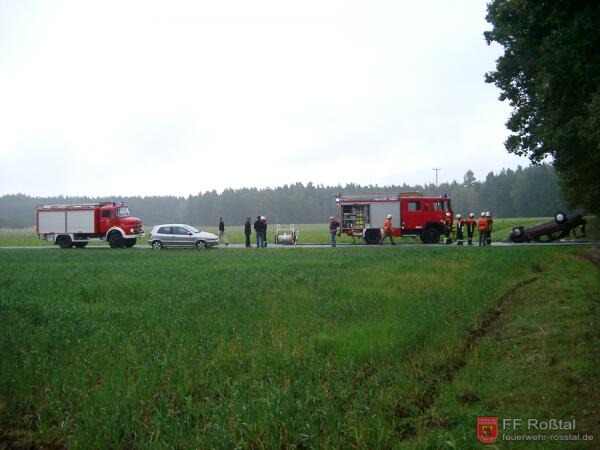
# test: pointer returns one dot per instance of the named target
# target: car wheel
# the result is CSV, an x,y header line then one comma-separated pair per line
x,y
517,234
157,245
560,217
200,245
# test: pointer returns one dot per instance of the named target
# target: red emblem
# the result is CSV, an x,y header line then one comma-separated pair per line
x,y
487,429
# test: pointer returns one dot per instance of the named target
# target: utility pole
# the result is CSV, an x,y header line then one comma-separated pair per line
x,y
436,173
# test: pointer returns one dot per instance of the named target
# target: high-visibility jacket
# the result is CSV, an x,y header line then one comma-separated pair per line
x,y
387,226
471,225
482,224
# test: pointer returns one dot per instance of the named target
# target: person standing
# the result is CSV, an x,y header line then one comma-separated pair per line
x,y
447,228
222,231
387,230
333,228
247,231
490,221
258,229
460,225
264,230
471,222
482,226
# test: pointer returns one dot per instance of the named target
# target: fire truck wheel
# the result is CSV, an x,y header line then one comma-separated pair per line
x,y
560,217
129,243
64,241
431,235
156,245
200,245
80,244
115,240
372,236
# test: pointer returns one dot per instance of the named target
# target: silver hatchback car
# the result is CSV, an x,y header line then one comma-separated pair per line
x,y
180,235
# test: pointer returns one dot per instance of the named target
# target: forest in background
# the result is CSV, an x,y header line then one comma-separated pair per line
x,y
525,192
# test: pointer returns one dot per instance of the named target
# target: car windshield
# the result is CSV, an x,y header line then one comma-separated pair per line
x,y
123,212
192,229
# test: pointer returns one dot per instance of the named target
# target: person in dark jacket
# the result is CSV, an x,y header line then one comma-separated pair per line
x,y
264,230
460,225
471,224
488,235
447,228
258,230
334,225
247,231
222,231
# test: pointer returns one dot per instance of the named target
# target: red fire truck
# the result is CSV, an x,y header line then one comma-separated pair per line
x,y
74,225
362,215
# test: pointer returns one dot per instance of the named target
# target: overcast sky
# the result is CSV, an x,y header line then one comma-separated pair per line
x,y
155,98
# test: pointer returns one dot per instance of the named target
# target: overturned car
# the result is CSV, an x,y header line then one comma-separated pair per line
x,y
559,228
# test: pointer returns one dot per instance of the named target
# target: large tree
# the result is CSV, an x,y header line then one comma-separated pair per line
x,y
550,74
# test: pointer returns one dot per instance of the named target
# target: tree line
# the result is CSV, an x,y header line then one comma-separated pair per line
x,y
524,192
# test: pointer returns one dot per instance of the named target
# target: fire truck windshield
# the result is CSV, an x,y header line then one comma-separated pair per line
x,y
123,212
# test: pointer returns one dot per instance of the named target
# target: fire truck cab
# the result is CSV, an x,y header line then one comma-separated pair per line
x,y
362,215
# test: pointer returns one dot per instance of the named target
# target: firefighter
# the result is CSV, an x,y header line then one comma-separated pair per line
x,y
482,226
490,221
460,224
471,222
387,230
447,228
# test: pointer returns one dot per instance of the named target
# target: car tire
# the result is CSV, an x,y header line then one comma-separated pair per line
x,y
560,217
156,245
200,245
517,234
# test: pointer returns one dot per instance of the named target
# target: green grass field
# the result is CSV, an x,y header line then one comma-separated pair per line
x,y
313,348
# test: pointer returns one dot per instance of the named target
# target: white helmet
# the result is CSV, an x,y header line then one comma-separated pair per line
x,y
458,216
487,214
471,215
482,214
331,218
389,216
448,214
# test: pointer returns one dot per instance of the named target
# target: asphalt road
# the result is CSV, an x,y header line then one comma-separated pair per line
x,y
279,246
